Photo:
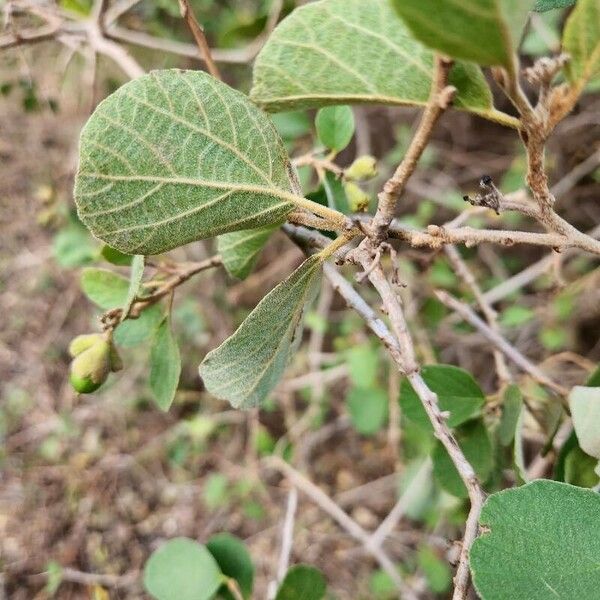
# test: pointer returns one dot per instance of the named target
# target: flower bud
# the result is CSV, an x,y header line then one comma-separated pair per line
x,y
90,369
363,168
83,342
358,199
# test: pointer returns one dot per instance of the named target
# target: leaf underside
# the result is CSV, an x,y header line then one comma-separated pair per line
x,y
351,51
176,156
245,368
581,39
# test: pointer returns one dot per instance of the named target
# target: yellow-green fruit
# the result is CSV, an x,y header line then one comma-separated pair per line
x,y
116,363
82,342
363,168
90,369
358,199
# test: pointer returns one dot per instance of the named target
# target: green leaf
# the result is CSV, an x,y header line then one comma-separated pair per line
x,y
234,561
594,379
302,582
363,365
584,403
368,409
437,572
487,32
165,365
474,440
135,331
581,39
458,393
511,409
545,5
73,247
350,51
516,315
335,126
135,280
541,541
115,257
246,367
177,156
240,249
580,468
182,569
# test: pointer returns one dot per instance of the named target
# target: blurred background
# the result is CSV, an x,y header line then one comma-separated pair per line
x,y
90,485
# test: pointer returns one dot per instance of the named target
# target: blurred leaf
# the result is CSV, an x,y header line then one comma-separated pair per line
x,y
73,247
177,156
363,365
580,469
584,403
541,541
511,409
516,315
458,393
544,5
335,126
368,409
347,52
436,570
240,249
54,574
234,561
554,338
182,569
115,257
487,32
246,367
215,491
165,366
581,39
382,586
291,125
474,440
302,582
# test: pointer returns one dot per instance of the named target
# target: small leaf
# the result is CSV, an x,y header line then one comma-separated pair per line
x,y
240,249
182,569
581,39
335,126
234,560
541,542
246,367
474,440
336,52
135,331
165,365
511,409
580,468
177,156
487,32
545,5
302,582
115,257
458,393
585,412
436,570
368,409
73,247
135,280
363,364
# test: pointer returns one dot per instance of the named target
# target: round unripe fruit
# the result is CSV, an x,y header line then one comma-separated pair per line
x,y
90,369
363,168
81,343
83,385
358,200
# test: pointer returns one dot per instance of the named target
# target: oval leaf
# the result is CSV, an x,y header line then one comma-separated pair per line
x,y
541,541
511,410
240,249
368,409
581,39
182,569
487,32
234,560
165,365
177,156
352,51
585,412
302,582
335,126
245,368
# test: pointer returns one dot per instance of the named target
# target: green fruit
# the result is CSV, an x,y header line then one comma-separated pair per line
x,y
82,342
358,200
90,369
83,385
363,168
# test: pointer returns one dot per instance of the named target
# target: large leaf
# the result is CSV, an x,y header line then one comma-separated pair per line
x,y
457,391
177,156
352,51
240,249
540,542
246,367
581,39
165,365
182,569
545,5
487,32
234,560
302,582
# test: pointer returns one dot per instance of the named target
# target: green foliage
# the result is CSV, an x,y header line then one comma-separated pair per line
x,y
540,541
368,409
302,582
246,367
474,441
581,39
458,393
514,316
584,403
436,570
177,156
54,574
182,569
135,281
335,52
580,468
115,257
487,32
234,561
165,365
335,126
544,5
363,365
240,249
511,410
72,247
